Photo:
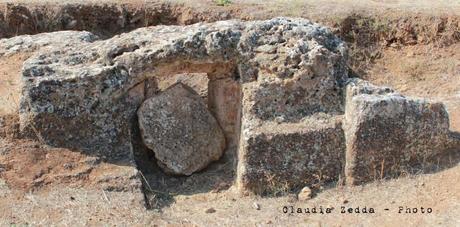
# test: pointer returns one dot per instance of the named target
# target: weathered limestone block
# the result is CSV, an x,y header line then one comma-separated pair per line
x,y
298,75
388,133
356,86
178,127
52,40
78,95
299,80
78,112
280,158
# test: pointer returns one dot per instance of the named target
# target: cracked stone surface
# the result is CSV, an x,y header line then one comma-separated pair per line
x,y
389,132
179,128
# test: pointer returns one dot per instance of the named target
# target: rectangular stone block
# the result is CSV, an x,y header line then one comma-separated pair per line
x,y
388,134
279,158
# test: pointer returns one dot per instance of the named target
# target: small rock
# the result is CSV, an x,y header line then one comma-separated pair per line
x,y
279,119
92,161
72,24
3,151
304,194
394,45
68,165
256,206
210,210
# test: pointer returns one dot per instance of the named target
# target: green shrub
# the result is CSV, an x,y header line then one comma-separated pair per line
x,y
223,2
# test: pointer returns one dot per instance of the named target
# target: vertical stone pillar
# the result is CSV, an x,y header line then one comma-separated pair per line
x,y
224,101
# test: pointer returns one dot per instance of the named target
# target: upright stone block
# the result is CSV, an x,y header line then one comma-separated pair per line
x,y
279,158
388,134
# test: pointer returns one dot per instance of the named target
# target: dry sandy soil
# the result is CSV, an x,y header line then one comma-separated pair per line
x,y
412,47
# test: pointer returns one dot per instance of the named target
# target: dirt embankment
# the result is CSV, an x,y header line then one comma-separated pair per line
x,y
369,36
367,32
102,19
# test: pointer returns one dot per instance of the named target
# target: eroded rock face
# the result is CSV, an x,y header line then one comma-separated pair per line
x,y
387,133
178,127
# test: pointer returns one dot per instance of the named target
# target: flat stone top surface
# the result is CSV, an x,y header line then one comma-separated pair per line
x,y
223,41
312,123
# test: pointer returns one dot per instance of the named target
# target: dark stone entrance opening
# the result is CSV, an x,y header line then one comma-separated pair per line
x,y
220,88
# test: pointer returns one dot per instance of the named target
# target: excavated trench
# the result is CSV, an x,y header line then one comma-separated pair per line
x,y
104,20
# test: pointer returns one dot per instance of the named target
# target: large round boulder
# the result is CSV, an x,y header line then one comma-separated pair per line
x,y
180,130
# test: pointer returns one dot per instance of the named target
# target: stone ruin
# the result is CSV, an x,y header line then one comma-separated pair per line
x,y
277,98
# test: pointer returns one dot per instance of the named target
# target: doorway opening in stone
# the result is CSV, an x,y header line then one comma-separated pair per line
x,y
221,92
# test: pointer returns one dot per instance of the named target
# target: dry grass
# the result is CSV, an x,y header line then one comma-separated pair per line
x,y
74,207
326,8
80,207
